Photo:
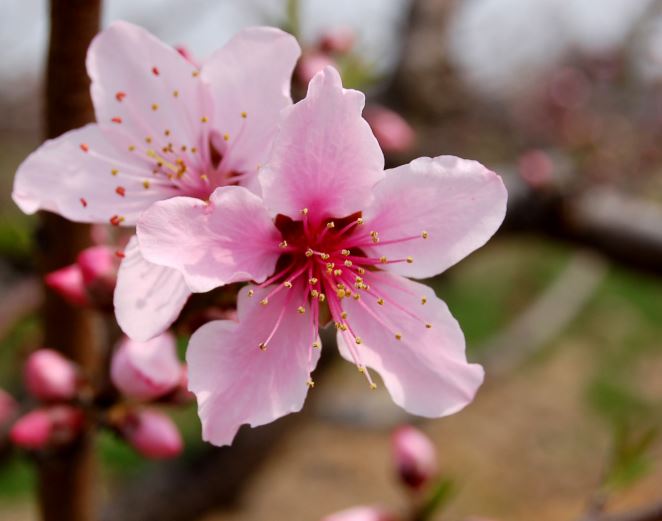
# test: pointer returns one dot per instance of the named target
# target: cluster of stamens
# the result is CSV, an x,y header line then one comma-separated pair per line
x,y
328,258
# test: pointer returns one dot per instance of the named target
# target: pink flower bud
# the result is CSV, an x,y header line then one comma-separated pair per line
x,y
393,133
187,54
146,370
98,263
339,40
415,456
152,434
50,376
33,430
68,283
310,64
536,168
45,426
361,514
8,407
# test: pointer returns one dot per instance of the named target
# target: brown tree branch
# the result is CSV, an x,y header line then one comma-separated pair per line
x,y
65,484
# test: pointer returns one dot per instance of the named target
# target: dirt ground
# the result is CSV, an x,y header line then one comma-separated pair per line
x,y
525,450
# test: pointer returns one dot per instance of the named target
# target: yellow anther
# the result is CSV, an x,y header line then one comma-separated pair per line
x,y
316,345
204,119
361,270
348,263
287,284
264,301
226,137
409,260
325,256
343,327
345,252
359,220
337,324
262,346
301,309
132,148
244,115
373,385
337,273
380,301
330,265
175,93
358,280
314,293
398,336
195,74
330,225
304,211
312,281
424,300
148,139
204,177
310,383
155,106
361,369
183,148
283,244
309,252
146,184
425,234
114,171
428,325
383,259
322,297
166,132
340,293
340,285
194,150
343,314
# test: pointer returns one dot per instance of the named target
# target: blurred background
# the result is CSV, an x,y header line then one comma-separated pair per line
x,y
564,307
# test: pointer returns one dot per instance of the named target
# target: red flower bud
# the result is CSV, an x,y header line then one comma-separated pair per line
x,y
50,376
415,456
152,434
68,283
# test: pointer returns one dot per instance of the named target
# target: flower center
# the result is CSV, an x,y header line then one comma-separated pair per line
x,y
329,260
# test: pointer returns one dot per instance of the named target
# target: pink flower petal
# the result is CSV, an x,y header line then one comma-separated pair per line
x,y
325,157
77,175
459,203
148,298
146,370
235,381
143,88
229,239
361,513
152,434
250,77
426,371
50,376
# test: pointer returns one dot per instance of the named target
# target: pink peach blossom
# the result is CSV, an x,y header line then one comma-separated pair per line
x,y
41,427
415,456
146,370
361,514
339,40
392,131
333,233
50,376
164,128
152,434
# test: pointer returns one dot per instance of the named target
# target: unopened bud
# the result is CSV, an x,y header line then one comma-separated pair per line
x,y
339,40
49,376
8,407
152,434
146,370
98,266
68,283
415,456
392,131
45,426
309,65
361,513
